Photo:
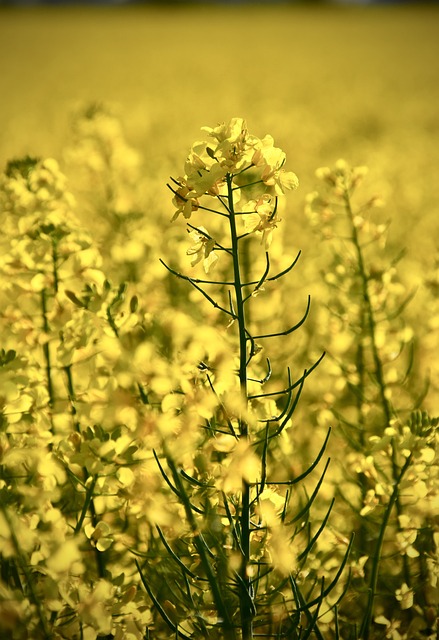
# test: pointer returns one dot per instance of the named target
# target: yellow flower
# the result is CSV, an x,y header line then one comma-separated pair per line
x,y
244,174
184,203
272,159
405,540
206,181
261,218
233,142
405,596
235,131
243,464
370,502
202,249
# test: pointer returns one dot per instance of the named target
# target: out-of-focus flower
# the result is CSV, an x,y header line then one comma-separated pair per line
x,y
370,502
392,627
405,540
405,596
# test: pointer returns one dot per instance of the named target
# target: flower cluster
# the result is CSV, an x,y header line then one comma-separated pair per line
x,y
235,161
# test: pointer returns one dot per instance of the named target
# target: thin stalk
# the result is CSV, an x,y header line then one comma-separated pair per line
x,y
89,502
239,300
89,505
46,349
360,400
55,265
158,606
72,397
86,505
365,626
379,368
203,552
246,587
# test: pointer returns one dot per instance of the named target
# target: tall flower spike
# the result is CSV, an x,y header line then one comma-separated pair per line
x,y
240,517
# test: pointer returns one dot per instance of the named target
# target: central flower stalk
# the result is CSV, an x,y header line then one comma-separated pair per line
x,y
246,596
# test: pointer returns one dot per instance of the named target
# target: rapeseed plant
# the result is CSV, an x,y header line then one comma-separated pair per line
x,y
390,444
239,565
67,451
158,475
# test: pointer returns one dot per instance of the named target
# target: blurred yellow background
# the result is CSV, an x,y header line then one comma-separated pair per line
x,y
360,83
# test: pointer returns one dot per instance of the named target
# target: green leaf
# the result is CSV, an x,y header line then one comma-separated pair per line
x,y
73,298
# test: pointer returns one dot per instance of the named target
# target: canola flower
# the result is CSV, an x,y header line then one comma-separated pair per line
x,y
234,162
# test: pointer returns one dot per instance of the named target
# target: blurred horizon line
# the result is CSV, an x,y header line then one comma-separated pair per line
x,y
12,3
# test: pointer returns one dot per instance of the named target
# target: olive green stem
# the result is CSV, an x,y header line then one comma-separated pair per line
x,y
202,549
55,265
46,349
89,504
246,587
365,627
88,498
379,368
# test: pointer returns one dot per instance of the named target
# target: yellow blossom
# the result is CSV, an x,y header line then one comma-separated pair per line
x,y
202,249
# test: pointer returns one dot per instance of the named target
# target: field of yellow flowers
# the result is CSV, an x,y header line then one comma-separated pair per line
x,y
219,386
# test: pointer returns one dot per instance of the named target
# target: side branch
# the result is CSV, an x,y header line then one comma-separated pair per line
x,y
195,285
263,278
287,331
291,386
278,275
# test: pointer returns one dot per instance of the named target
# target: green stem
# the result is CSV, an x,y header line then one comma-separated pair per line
x,y
202,549
365,627
89,501
360,400
86,505
239,300
46,349
89,505
72,397
379,368
55,265
246,590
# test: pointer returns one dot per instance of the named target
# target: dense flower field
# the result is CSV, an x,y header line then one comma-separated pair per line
x,y
219,390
